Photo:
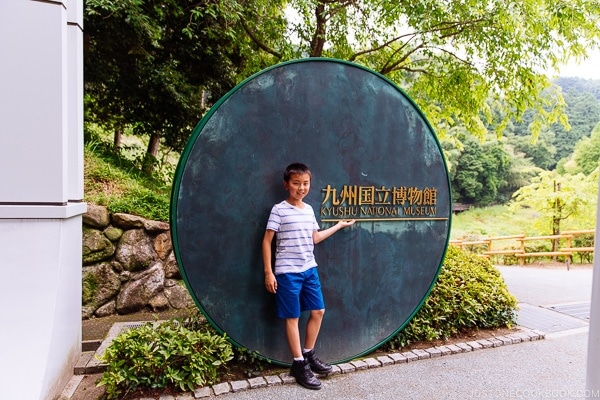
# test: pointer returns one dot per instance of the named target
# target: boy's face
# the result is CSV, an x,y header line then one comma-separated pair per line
x,y
298,186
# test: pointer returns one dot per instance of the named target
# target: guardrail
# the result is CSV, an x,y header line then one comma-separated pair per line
x,y
519,249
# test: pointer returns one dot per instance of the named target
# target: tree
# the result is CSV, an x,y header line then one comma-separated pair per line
x,y
584,113
149,67
587,152
541,152
450,56
558,198
481,172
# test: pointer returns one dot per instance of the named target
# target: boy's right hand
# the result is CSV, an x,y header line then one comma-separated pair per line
x,y
271,283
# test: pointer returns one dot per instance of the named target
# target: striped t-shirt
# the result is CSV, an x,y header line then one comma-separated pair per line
x,y
294,228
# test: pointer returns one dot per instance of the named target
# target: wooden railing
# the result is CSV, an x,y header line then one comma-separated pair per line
x,y
518,249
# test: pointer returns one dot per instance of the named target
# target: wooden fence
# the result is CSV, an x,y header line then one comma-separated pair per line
x,y
488,247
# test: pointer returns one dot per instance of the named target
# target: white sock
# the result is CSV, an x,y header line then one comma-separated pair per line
x,y
306,351
298,358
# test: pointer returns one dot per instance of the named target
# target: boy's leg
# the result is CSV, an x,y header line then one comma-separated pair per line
x,y
293,336
288,307
313,326
311,299
312,332
300,367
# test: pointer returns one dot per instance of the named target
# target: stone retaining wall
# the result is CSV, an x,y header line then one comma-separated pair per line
x,y
128,265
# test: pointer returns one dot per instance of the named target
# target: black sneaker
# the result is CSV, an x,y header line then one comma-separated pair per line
x,y
304,376
317,366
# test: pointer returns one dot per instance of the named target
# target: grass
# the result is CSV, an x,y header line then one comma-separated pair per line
x,y
477,223
118,184
500,220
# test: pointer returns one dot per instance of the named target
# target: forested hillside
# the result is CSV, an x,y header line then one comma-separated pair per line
x,y
490,172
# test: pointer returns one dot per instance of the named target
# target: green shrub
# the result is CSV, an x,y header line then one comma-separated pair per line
x,y
160,355
469,294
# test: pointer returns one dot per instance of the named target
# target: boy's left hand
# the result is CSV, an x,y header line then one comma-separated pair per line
x,y
346,223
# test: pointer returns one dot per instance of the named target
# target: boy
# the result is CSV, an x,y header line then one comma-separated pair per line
x,y
295,282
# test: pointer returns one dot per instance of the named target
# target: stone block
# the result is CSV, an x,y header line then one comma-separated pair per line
x,y
202,392
515,339
359,364
239,386
486,344
421,354
475,345
221,388
385,360
347,368
257,382
455,349
434,352
273,380
398,358
410,356
523,336
465,347
372,363
286,378
335,370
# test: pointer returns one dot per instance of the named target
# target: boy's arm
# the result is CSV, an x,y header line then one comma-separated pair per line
x,y
319,236
270,281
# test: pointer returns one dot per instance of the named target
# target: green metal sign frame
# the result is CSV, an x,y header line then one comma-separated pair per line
x,y
374,157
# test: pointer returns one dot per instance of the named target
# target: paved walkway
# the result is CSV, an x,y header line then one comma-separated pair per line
x,y
553,300
551,368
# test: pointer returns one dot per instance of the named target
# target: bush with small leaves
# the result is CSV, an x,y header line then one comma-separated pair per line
x,y
470,293
161,355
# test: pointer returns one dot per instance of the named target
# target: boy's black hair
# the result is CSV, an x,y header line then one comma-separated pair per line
x,y
295,168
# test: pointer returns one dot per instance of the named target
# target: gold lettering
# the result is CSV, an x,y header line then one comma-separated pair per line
x,y
369,201
367,195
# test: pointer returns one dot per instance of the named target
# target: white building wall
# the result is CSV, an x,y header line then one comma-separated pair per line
x,y
41,192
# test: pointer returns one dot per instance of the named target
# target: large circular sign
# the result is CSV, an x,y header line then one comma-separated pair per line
x,y
373,157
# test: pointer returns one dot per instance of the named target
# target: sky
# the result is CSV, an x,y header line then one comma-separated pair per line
x,y
589,69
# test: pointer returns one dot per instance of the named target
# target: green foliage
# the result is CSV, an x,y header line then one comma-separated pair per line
x,y
469,294
583,111
451,57
481,172
560,200
152,66
160,355
119,185
542,153
583,99
251,361
587,152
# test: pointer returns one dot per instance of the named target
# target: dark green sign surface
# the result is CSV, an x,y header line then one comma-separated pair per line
x,y
373,157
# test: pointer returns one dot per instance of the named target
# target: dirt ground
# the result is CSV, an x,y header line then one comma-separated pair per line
x,y
97,328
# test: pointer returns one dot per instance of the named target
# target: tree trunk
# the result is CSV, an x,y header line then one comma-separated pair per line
x,y
318,41
118,140
151,154
556,217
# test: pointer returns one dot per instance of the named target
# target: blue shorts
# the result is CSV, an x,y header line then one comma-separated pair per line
x,y
297,292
